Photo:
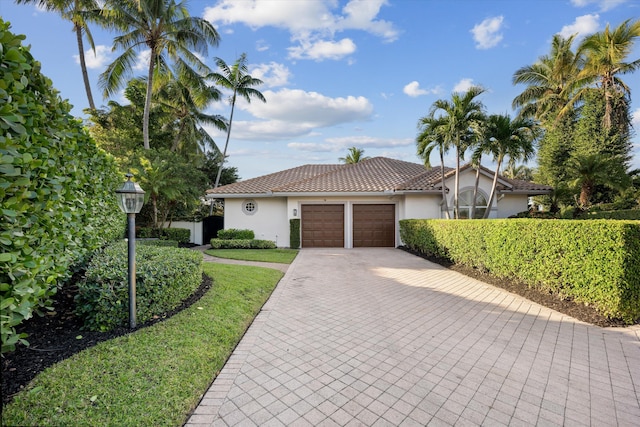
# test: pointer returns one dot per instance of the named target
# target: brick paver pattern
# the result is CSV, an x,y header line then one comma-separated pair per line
x,y
379,337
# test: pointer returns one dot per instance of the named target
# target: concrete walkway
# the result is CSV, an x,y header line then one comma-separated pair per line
x,y
379,337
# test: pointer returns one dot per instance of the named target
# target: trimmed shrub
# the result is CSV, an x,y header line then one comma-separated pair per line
x,y
57,190
593,262
242,244
628,214
234,233
294,233
180,235
164,278
157,242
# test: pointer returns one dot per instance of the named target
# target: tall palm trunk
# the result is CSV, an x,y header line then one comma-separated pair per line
x,y
475,190
226,144
83,66
444,192
493,188
456,212
147,103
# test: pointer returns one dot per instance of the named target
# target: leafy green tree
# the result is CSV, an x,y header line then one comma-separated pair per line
x,y
606,52
432,137
185,96
590,170
166,28
356,155
75,11
460,115
508,138
551,82
237,79
514,171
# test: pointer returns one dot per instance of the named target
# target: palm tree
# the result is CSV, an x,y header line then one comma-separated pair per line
x,y
606,53
355,155
593,169
460,115
551,82
164,27
74,11
508,138
185,97
514,171
430,138
240,82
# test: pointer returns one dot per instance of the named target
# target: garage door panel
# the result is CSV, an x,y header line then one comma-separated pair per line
x,y
322,226
374,225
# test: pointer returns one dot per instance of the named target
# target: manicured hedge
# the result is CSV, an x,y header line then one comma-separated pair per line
x,y
242,244
157,242
594,262
164,278
181,235
631,214
234,233
57,189
294,233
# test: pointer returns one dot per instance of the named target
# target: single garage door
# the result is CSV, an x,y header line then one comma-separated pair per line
x,y
322,226
374,226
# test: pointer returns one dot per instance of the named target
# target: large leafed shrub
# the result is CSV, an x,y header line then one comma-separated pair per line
x,y
594,262
56,187
165,277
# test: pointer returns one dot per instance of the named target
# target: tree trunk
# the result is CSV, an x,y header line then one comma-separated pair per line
x,y
475,190
456,212
585,193
83,66
444,192
493,189
226,144
147,103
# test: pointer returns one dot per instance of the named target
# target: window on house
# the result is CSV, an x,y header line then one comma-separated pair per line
x,y
465,202
249,207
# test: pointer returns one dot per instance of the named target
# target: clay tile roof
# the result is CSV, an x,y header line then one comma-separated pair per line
x,y
378,174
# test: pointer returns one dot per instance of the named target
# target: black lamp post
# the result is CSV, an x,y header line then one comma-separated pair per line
x,y
130,199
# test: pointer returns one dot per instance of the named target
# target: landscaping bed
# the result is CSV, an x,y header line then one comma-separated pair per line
x,y
59,335
569,307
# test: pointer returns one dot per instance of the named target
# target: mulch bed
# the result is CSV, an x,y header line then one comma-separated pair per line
x,y
59,335
566,306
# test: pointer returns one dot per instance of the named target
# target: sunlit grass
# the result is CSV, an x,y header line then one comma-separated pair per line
x,y
283,256
154,376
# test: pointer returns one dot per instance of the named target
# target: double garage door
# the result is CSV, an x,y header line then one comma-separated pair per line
x,y
322,226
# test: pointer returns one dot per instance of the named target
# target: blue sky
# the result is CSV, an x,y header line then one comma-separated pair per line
x,y
343,73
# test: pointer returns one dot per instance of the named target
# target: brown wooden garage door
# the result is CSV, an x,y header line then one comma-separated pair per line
x,y
322,226
374,226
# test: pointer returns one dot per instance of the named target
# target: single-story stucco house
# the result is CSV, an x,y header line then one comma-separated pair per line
x,y
356,205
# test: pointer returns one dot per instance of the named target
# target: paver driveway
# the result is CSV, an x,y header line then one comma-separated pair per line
x,y
381,337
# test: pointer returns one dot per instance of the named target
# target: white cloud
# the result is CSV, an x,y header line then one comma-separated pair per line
x,y
321,50
583,25
342,143
292,113
97,60
463,85
312,24
310,108
414,90
272,74
262,45
487,33
142,61
604,4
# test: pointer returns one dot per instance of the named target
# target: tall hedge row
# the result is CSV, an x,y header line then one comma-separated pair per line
x,y
56,188
594,262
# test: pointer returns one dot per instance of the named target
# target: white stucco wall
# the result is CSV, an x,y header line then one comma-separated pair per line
x,y
194,227
421,206
268,222
512,204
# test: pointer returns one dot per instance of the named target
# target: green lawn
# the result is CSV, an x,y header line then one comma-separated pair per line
x,y
283,256
154,376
